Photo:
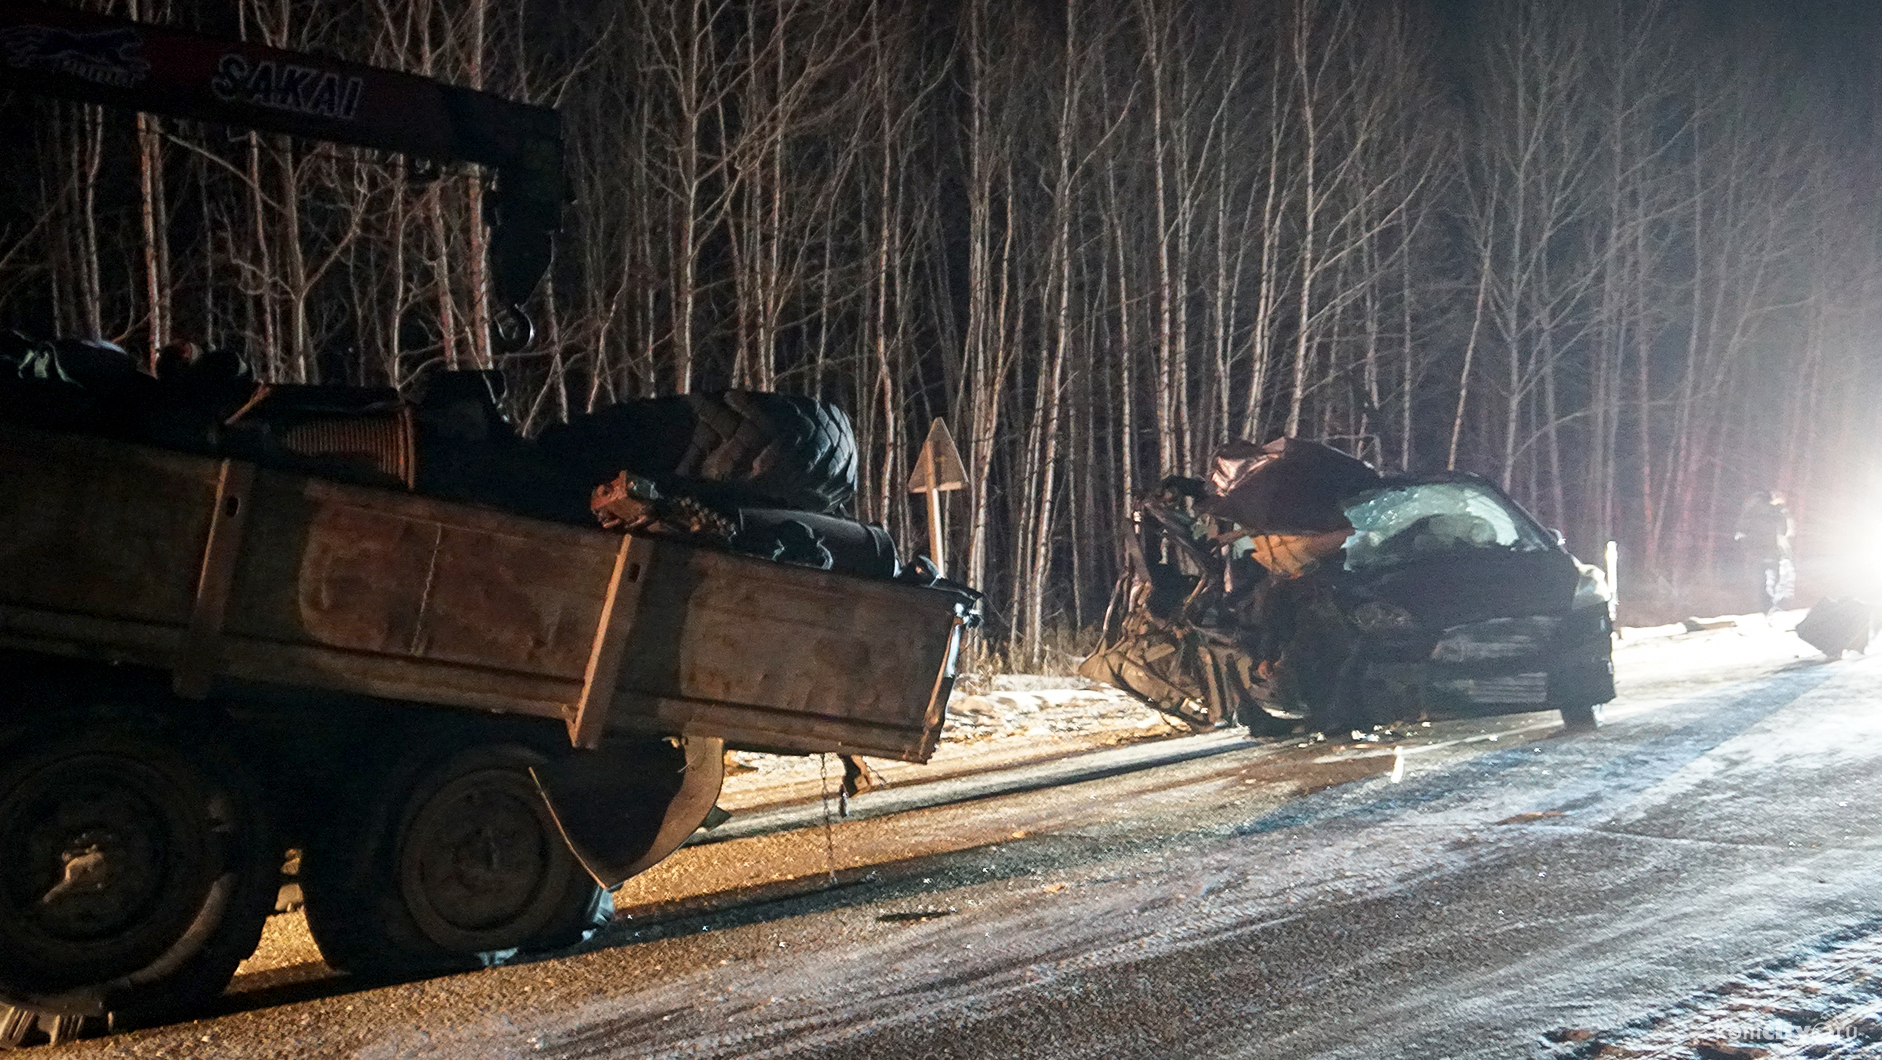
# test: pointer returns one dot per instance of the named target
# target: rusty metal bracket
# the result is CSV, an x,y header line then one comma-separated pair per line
x,y
588,717
629,804
228,523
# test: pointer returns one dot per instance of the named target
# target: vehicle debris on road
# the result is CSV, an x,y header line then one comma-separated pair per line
x,y
1840,624
1298,589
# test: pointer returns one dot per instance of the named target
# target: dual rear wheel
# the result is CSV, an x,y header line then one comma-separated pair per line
x,y
138,865
455,862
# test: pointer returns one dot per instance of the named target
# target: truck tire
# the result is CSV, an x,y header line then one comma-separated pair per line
x,y
135,876
457,864
744,448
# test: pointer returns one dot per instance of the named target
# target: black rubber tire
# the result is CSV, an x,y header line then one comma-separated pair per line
x,y
1344,709
176,872
455,864
741,448
1582,717
1259,723
23,1026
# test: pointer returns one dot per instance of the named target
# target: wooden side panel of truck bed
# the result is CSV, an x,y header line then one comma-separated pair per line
x,y
217,570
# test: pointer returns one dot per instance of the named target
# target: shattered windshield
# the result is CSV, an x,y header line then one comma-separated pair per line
x,y
1404,523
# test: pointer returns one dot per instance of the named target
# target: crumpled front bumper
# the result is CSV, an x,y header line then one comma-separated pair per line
x,y
1536,662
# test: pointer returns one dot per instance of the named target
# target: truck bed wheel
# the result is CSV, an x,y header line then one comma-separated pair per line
x,y
134,877
459,864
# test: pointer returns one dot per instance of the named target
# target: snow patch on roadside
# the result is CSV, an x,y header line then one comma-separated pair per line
x,y
1046,712
1021,716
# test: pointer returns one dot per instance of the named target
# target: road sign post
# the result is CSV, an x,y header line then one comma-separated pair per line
x,y
938,469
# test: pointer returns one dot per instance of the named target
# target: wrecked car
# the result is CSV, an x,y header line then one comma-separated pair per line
x,y
1297,589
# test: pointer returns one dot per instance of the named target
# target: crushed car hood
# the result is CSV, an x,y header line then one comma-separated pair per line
x,y
1287,486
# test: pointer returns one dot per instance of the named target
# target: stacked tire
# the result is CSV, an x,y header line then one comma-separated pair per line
x,y
739,448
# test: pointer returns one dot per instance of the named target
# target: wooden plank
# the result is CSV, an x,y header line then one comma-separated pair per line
x,y
374,592
539,532
340,568
588,718
95,637
784,636
910,736
400,678
228,524
514,603
787,657
271,662
110,530
753,727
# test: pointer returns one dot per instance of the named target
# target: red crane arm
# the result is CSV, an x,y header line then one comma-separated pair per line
x,y
57,51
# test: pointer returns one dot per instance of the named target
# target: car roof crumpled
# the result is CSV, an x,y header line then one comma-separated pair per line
x,y
1288,486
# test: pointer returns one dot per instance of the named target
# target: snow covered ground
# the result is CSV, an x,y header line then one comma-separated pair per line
x,y
1696,881
1021,717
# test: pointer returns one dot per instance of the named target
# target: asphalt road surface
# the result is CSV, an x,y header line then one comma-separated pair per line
x,y
1700,878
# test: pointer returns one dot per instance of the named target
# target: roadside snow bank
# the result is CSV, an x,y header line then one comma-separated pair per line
x,y
1020,717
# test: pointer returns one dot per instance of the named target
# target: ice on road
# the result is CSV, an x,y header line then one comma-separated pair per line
x,y
1484,889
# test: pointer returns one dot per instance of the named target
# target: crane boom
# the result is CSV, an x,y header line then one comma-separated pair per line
x,y
117,62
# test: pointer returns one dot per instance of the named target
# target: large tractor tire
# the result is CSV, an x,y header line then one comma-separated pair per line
x,y
738,447
457,863
135,875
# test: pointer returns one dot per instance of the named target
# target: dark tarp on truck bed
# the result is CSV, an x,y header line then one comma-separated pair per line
x,y
773,471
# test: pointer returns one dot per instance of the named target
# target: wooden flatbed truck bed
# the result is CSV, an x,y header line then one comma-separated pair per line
x,y
451,711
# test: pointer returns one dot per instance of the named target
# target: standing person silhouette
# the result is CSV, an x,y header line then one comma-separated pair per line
x,y
1764,531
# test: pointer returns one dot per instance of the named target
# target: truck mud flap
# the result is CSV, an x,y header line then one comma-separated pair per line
x,y
627,804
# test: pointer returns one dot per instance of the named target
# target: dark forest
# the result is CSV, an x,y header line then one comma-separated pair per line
x,y
1622,256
